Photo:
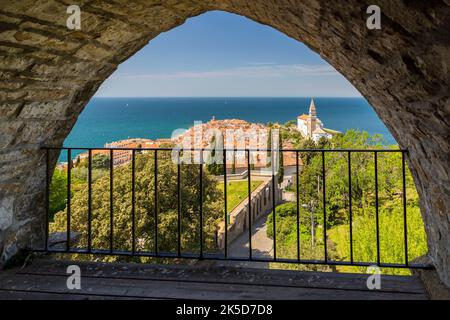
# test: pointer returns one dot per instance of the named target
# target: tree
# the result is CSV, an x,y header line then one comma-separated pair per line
x,y
269,147
281,169
307,156
100,161
58,192
212,166
145,208
290,123
286,237
337,201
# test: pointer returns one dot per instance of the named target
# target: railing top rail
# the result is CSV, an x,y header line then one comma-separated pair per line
x,y
226,149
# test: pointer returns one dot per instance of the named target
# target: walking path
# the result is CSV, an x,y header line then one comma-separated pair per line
x,y
262,247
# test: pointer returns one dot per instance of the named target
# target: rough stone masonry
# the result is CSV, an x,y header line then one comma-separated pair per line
x,y
48,74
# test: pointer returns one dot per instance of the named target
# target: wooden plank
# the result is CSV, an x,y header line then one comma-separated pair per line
x,y
36,295
229,275
142,288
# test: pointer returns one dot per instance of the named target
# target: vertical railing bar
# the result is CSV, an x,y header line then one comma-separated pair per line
x,y
298,204
133,201
179,203
225,200
405,226
249,185
111,200
350,204
89,200
201,204
273,208
324,208
69,169
47,196
376,206
155,171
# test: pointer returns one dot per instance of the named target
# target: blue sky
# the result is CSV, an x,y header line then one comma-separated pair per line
x,y
226,55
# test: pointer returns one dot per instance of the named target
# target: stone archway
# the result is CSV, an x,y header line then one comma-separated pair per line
x,y
49,73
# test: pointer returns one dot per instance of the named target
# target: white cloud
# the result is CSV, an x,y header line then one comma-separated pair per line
x,y
260,63
260,79
255,70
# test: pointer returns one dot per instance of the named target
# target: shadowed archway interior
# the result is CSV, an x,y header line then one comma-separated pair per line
x,y
50,73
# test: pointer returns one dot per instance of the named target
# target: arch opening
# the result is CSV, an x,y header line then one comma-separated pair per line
x,y
401,71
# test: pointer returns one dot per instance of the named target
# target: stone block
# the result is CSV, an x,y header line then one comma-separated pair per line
x,y
6,213
48,11
95,53
10,110
45,110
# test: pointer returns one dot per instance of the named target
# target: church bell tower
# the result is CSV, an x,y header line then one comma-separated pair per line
x,y
312,118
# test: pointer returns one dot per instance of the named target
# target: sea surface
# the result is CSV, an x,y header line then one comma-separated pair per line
x,y
110,119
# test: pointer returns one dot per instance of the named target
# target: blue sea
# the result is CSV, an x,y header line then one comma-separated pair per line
x,y
110,119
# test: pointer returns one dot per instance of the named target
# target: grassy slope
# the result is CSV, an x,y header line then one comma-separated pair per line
x,y
237,191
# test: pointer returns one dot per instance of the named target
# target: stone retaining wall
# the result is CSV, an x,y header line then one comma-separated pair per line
x,y
261,203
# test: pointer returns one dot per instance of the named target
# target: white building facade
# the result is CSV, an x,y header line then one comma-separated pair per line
x,y
310,126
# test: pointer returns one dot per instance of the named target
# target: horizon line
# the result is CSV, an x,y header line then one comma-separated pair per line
x,y
309,97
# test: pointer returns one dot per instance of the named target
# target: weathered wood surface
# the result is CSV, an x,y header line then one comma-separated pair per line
x,y
46,279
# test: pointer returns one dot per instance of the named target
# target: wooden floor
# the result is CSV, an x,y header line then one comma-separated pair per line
x,y
46,279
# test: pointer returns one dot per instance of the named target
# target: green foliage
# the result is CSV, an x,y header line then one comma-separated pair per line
x,y
58,192
269,146
215,169
212,166
281,169
390,189
285,218
237,191
145,208
290,123
286,234
392,249
289,132
100,161
58,187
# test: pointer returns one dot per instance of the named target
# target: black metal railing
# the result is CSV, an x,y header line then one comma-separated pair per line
x,y
179,253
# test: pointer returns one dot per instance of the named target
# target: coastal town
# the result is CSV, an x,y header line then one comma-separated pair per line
x,y
229,134
241,139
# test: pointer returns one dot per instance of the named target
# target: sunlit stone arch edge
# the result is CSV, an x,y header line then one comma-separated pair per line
x,y
51,73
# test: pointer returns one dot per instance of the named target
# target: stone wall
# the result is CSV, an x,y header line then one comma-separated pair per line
x,y
261,203
49,73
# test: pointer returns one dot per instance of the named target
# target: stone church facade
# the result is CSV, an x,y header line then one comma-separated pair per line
x,y
310,126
